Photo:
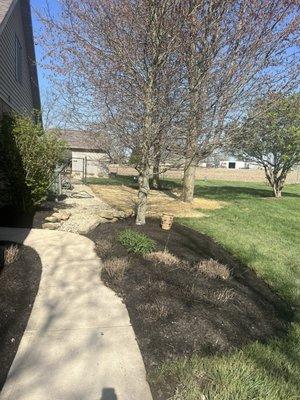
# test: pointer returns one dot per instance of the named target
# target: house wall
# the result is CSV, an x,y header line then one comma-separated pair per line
x,y
4,185
17,95
97,163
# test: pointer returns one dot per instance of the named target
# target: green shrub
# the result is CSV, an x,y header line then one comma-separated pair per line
x,y
136,242
30,159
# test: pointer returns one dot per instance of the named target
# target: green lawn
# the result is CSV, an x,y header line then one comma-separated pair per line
x,y
262,232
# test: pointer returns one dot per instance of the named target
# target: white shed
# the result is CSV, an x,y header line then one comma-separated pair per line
x,y
88,153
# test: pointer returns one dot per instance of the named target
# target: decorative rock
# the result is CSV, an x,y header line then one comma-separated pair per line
x,y
112,220
51,225
108,214
62,215
51,219
129,213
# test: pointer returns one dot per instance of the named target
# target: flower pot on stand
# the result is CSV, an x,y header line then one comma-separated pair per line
x,y
167,221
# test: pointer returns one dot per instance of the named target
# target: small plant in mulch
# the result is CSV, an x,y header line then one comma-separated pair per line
x,y
213,269
135,242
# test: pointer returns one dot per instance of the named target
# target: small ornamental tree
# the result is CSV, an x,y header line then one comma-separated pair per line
x,y
30,159
270,136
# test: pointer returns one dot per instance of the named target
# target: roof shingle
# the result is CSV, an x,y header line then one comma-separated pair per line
x,y
4,7
84,140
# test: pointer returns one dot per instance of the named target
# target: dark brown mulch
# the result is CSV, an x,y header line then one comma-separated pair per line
x,y
177,312
19,282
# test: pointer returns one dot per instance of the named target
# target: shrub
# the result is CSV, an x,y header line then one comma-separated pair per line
x,y
30,159
135,242
11,254
213,269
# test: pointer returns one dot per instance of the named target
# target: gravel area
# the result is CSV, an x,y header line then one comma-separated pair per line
x,y
84,211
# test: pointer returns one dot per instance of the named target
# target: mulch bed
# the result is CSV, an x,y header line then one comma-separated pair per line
x,y
19,282
177,311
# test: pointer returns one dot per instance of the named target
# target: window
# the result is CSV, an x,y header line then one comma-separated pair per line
x,y
18,60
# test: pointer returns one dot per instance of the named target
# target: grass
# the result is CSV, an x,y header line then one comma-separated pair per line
x,y
263,233
259,230
135,242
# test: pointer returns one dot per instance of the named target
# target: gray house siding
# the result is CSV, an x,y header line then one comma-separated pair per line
x,y
15,94
19,89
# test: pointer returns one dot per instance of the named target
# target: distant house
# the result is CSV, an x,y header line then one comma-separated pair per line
x,y
87,152
233,163
19,90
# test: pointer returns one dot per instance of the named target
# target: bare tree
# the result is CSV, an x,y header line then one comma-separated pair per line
x,y
121,52
232,53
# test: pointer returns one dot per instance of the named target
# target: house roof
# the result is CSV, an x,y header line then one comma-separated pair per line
x,y
84,140
4,8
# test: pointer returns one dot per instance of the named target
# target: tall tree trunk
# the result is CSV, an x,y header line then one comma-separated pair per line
x,y
193,123
190,167
143,196
188,182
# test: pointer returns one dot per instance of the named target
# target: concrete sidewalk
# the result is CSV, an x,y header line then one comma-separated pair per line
x,y
78,344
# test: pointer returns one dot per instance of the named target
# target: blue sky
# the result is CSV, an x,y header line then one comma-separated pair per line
x,y
39,5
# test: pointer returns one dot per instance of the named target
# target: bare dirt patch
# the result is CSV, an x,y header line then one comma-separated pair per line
x,y
124,198
188,297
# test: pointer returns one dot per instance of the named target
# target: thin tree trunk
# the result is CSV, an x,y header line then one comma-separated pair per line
x,y
156,168
143,196
277,187
156,178
275,181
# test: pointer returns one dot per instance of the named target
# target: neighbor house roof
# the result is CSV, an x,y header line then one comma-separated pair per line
x,y
84,140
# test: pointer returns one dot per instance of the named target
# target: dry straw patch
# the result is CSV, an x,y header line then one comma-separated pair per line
x,y
163,257
125,199
223,296
115,267
159,309
213,269
103,246
11,254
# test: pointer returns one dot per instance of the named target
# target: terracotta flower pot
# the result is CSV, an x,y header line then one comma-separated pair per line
x,y
167,221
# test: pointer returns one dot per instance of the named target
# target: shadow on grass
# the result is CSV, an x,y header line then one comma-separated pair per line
x,y
126,180
228,193
130,181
